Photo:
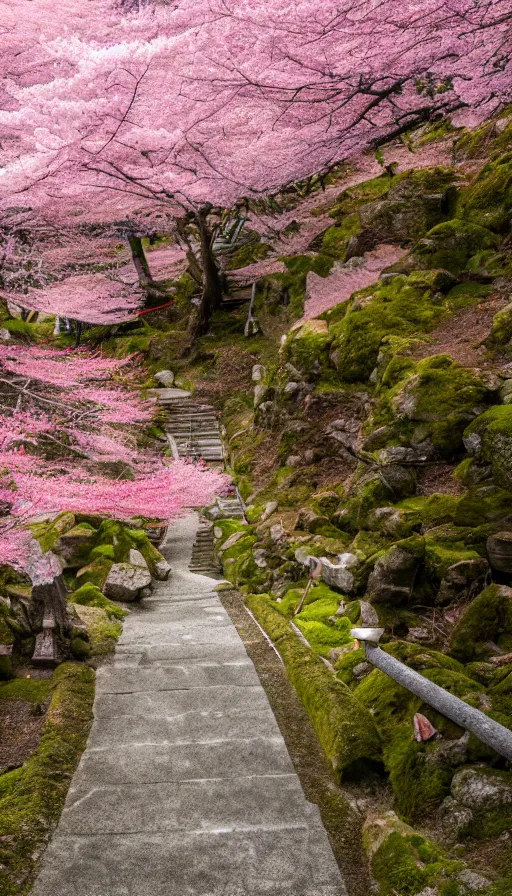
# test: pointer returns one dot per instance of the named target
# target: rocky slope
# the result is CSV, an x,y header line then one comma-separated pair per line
x,y
378,437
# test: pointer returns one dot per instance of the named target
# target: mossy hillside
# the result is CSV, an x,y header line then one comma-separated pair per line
x,y
336,238
32,797
402,306
346,732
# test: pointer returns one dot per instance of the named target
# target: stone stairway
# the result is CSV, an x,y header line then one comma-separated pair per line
x,y
203,561
186,787
193,430
192,427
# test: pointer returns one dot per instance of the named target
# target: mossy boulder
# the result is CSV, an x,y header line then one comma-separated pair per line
x,y
395,309
489,440
451,244
345,729
488,618
91,596
432,404
75,544
488,200
94,573
416,201
483,504
307,347
501,329
406,863
487,795
393,576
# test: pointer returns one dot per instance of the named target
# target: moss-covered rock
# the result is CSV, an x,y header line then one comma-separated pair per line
x,y
488,200
406,863
489,439
416,201
431,404
345,730
307,347
397,307
451,244
91,596
488,618
95,573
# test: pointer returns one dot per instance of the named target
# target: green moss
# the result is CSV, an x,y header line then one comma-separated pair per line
x,y
483,504
346,732
308,347
487,618
406,863
80,648
248,254
94,573
90,596
451,244
399,307
440,556
34,690
501,330
495,430
336,238
432,402
105,551
32,797
291,285
488,200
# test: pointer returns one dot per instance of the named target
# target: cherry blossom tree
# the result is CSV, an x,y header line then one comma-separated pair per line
x,y
192,107
66,417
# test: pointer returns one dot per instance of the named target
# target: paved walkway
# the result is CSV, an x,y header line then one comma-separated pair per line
x,y
186,787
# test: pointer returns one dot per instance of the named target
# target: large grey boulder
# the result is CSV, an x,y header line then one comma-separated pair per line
x,y
126,581
393,576
339,575
499,550
482,788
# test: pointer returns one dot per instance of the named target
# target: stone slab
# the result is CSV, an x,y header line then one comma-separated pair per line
x,y
286,861
154,763
182,729
209,805
111,680
169,703
176,653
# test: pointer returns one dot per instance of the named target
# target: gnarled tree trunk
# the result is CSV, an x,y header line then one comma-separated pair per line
x,y
211,296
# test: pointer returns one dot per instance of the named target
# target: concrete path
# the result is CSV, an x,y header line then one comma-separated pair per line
x,y
186,787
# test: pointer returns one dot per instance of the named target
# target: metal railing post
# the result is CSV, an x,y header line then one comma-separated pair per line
x,y
485,729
